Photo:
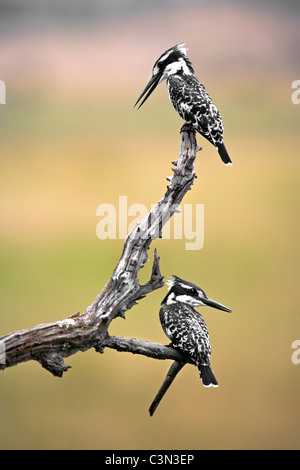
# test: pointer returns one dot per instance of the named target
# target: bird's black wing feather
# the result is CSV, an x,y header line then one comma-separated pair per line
x,y
195,106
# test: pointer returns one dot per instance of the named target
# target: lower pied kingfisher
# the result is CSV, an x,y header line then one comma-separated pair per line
x,y
189,97
186,328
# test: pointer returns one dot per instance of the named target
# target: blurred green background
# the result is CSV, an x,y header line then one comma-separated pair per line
x,y
71,140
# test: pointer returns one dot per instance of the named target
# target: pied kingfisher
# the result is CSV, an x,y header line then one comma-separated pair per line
x,y
186,328
189,96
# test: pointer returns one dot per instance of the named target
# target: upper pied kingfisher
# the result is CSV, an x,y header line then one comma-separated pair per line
x,y
189,96
186,328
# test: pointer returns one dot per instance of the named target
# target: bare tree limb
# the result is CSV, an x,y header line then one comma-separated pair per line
x,y
50,343
173,371
145,348
156,351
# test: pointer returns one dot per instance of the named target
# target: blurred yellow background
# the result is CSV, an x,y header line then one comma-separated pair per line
x,y
71,140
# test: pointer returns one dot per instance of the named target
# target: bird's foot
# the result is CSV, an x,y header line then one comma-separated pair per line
x,y
187,128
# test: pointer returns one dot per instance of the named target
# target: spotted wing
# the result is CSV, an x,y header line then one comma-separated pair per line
x,y
187,330
195,106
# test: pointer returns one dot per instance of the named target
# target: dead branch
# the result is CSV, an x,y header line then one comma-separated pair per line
x,y
50,343
173,371
145,348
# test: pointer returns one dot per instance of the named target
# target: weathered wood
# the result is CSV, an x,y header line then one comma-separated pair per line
x,y
50,343
145,348
171,374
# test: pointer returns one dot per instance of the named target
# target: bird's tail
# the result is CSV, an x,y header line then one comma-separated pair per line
x,y
207,376
224,154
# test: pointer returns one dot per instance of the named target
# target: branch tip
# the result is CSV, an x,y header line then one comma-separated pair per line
x,y
172,372
53,362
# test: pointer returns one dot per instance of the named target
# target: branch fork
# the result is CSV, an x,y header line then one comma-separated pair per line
x,y
50,343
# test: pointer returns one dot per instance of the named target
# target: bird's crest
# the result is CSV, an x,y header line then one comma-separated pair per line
x,y
177,280
181,47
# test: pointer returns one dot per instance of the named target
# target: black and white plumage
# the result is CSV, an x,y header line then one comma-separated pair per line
x,y
186,328
189,96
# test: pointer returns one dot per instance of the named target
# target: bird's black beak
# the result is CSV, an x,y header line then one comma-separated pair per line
x,y
212,303
151,85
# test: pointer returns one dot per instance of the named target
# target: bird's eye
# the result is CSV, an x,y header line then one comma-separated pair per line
x,y
194,291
